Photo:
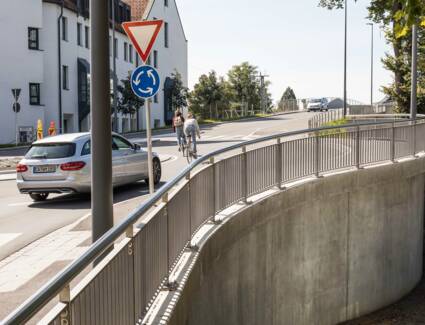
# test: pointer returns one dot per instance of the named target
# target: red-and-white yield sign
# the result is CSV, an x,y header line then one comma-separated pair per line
x,y
143,35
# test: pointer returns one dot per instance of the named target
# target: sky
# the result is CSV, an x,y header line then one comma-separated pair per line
x,y
295,42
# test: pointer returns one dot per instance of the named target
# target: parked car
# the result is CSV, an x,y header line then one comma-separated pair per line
x,y
318,105
62,164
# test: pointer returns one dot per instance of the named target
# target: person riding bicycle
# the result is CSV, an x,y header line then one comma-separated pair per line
x,y
191,130
178,124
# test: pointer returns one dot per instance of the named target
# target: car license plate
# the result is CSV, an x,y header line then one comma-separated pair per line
x,y
44,169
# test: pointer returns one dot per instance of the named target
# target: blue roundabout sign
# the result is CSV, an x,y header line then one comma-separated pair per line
x,y
145,81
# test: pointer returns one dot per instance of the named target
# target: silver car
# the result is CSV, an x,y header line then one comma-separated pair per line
x,y
62,164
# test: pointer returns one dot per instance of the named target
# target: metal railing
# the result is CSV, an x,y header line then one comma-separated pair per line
x,y
121,288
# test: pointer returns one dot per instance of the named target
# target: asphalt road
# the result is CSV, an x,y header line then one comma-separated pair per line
x,y
37,234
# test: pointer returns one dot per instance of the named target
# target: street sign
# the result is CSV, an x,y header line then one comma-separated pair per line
x,y
145,81
16,92
16,107
143,35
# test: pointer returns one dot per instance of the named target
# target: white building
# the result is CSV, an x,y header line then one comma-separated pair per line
x,y
32,34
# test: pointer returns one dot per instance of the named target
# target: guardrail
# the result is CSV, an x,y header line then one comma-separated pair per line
x,y
381,111
120,289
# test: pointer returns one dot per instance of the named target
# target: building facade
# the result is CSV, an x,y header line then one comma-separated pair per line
x,y
46,54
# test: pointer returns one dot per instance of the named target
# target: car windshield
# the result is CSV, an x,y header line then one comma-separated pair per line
x,y
316,101
51,151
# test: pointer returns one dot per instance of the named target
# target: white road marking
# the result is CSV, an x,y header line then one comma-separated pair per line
x,y
6,238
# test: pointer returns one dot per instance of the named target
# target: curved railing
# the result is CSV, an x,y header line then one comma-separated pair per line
x,y
121,287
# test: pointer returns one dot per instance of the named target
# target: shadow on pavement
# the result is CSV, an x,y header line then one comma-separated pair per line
x,y
83,201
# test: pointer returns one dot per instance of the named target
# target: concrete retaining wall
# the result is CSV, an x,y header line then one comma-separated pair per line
x,y
321,253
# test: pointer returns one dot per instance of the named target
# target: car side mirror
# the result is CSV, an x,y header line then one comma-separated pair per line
x,y
137,147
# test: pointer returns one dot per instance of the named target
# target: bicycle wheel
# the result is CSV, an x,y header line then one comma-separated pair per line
x,y
189,155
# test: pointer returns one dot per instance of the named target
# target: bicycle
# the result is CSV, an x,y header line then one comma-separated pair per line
x,y
188,151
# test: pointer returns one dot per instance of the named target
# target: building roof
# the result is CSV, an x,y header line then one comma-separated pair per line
x,y
149,9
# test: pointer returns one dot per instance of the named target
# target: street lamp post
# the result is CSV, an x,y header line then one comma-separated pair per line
x,y
371,67
413,101
345,60
101,133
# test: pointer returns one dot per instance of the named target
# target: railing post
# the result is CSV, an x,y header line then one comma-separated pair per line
x,y
244,175
414,138
215,190
358,147
171,286
317,151
65,298
393,142
279,163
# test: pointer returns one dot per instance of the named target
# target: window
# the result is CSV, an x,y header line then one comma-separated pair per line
x,y
65,76
116,48
64,29
137,59
130,53
33,43
79,34
166,3
87,35
34,94
125,51
51,151
86,149
155,59
120,144
155,98
166,34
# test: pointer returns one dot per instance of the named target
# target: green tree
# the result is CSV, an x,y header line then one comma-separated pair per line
x,y
128,102
179,93
209,96
288,101
244,83
246,88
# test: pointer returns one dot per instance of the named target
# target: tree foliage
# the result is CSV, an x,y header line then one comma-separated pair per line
x,y
127,101
179,93
288,94
210,96
288,101
213,95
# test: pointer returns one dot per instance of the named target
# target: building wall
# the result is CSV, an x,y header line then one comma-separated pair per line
x,y
172,58
19,65
71,52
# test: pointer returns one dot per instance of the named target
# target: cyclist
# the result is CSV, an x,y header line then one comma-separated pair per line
x,y
191,130
178,123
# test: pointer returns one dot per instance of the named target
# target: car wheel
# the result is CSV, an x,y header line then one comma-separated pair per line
x,y
157,172
39,197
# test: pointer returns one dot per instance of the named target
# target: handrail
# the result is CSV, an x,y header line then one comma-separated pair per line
x,y
37,301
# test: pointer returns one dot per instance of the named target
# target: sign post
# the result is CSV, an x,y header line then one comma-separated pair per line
x,y
145,80
16,108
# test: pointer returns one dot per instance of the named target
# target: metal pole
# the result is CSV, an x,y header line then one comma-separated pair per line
x,y
114,69
149,141
101,137
16,122
345,60
371,67
413,101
